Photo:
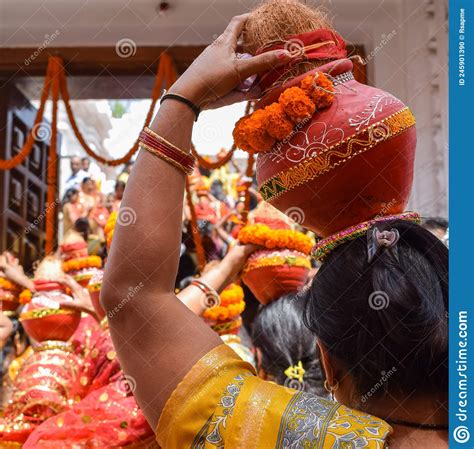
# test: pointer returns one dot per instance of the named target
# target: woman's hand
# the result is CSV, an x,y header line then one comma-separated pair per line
x,y
235,260
212,78
81,298
11,269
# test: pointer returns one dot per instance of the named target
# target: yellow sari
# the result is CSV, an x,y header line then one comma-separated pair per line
x,y
222,404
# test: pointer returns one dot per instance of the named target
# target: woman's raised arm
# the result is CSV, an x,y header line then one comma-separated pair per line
x,y
156,337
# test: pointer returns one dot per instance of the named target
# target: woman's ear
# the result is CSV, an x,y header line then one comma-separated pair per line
x,y
326,363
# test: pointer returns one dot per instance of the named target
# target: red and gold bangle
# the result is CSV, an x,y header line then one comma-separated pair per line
x,y
212,297
160,147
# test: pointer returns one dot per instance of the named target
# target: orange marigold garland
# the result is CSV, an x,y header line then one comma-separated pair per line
x,y
231,306
25,296
83,262
259,131
262,235
5,284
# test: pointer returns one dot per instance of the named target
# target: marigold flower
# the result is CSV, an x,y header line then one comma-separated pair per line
x,y
296,104
250,134
276,122
316,87
261,234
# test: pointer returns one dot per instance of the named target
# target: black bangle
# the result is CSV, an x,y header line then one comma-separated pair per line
x,y
184,100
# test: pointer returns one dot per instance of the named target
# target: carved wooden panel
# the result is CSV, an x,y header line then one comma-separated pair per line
x,y
23,188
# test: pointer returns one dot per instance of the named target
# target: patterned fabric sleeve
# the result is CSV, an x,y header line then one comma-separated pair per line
x,y
221,404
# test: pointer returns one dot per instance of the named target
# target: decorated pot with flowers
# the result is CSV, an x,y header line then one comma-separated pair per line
x,y
283,263
83,269
338,151
224,317
94,287
76,259
44,319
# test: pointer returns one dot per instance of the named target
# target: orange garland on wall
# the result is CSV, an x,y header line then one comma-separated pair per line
x,y
55,82
164,73
200,253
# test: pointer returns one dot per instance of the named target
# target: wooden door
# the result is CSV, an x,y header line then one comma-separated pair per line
x,y
22,189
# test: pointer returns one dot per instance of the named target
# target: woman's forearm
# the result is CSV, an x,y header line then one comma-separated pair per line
x,y
217,278
157,338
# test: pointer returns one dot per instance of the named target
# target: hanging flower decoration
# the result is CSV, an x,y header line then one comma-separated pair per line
x,y
262,235
259,131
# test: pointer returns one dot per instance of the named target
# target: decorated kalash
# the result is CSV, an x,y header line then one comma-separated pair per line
x,y
282,266
224,316
68,389
107,416
339,152
44,381
77,261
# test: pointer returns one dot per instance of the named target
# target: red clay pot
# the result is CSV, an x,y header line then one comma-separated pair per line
x,y
336,187
59,327
269,283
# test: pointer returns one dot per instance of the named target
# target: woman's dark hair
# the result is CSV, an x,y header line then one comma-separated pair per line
x,y
217,190
120,184
82,226
385,321
69,194
283,339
